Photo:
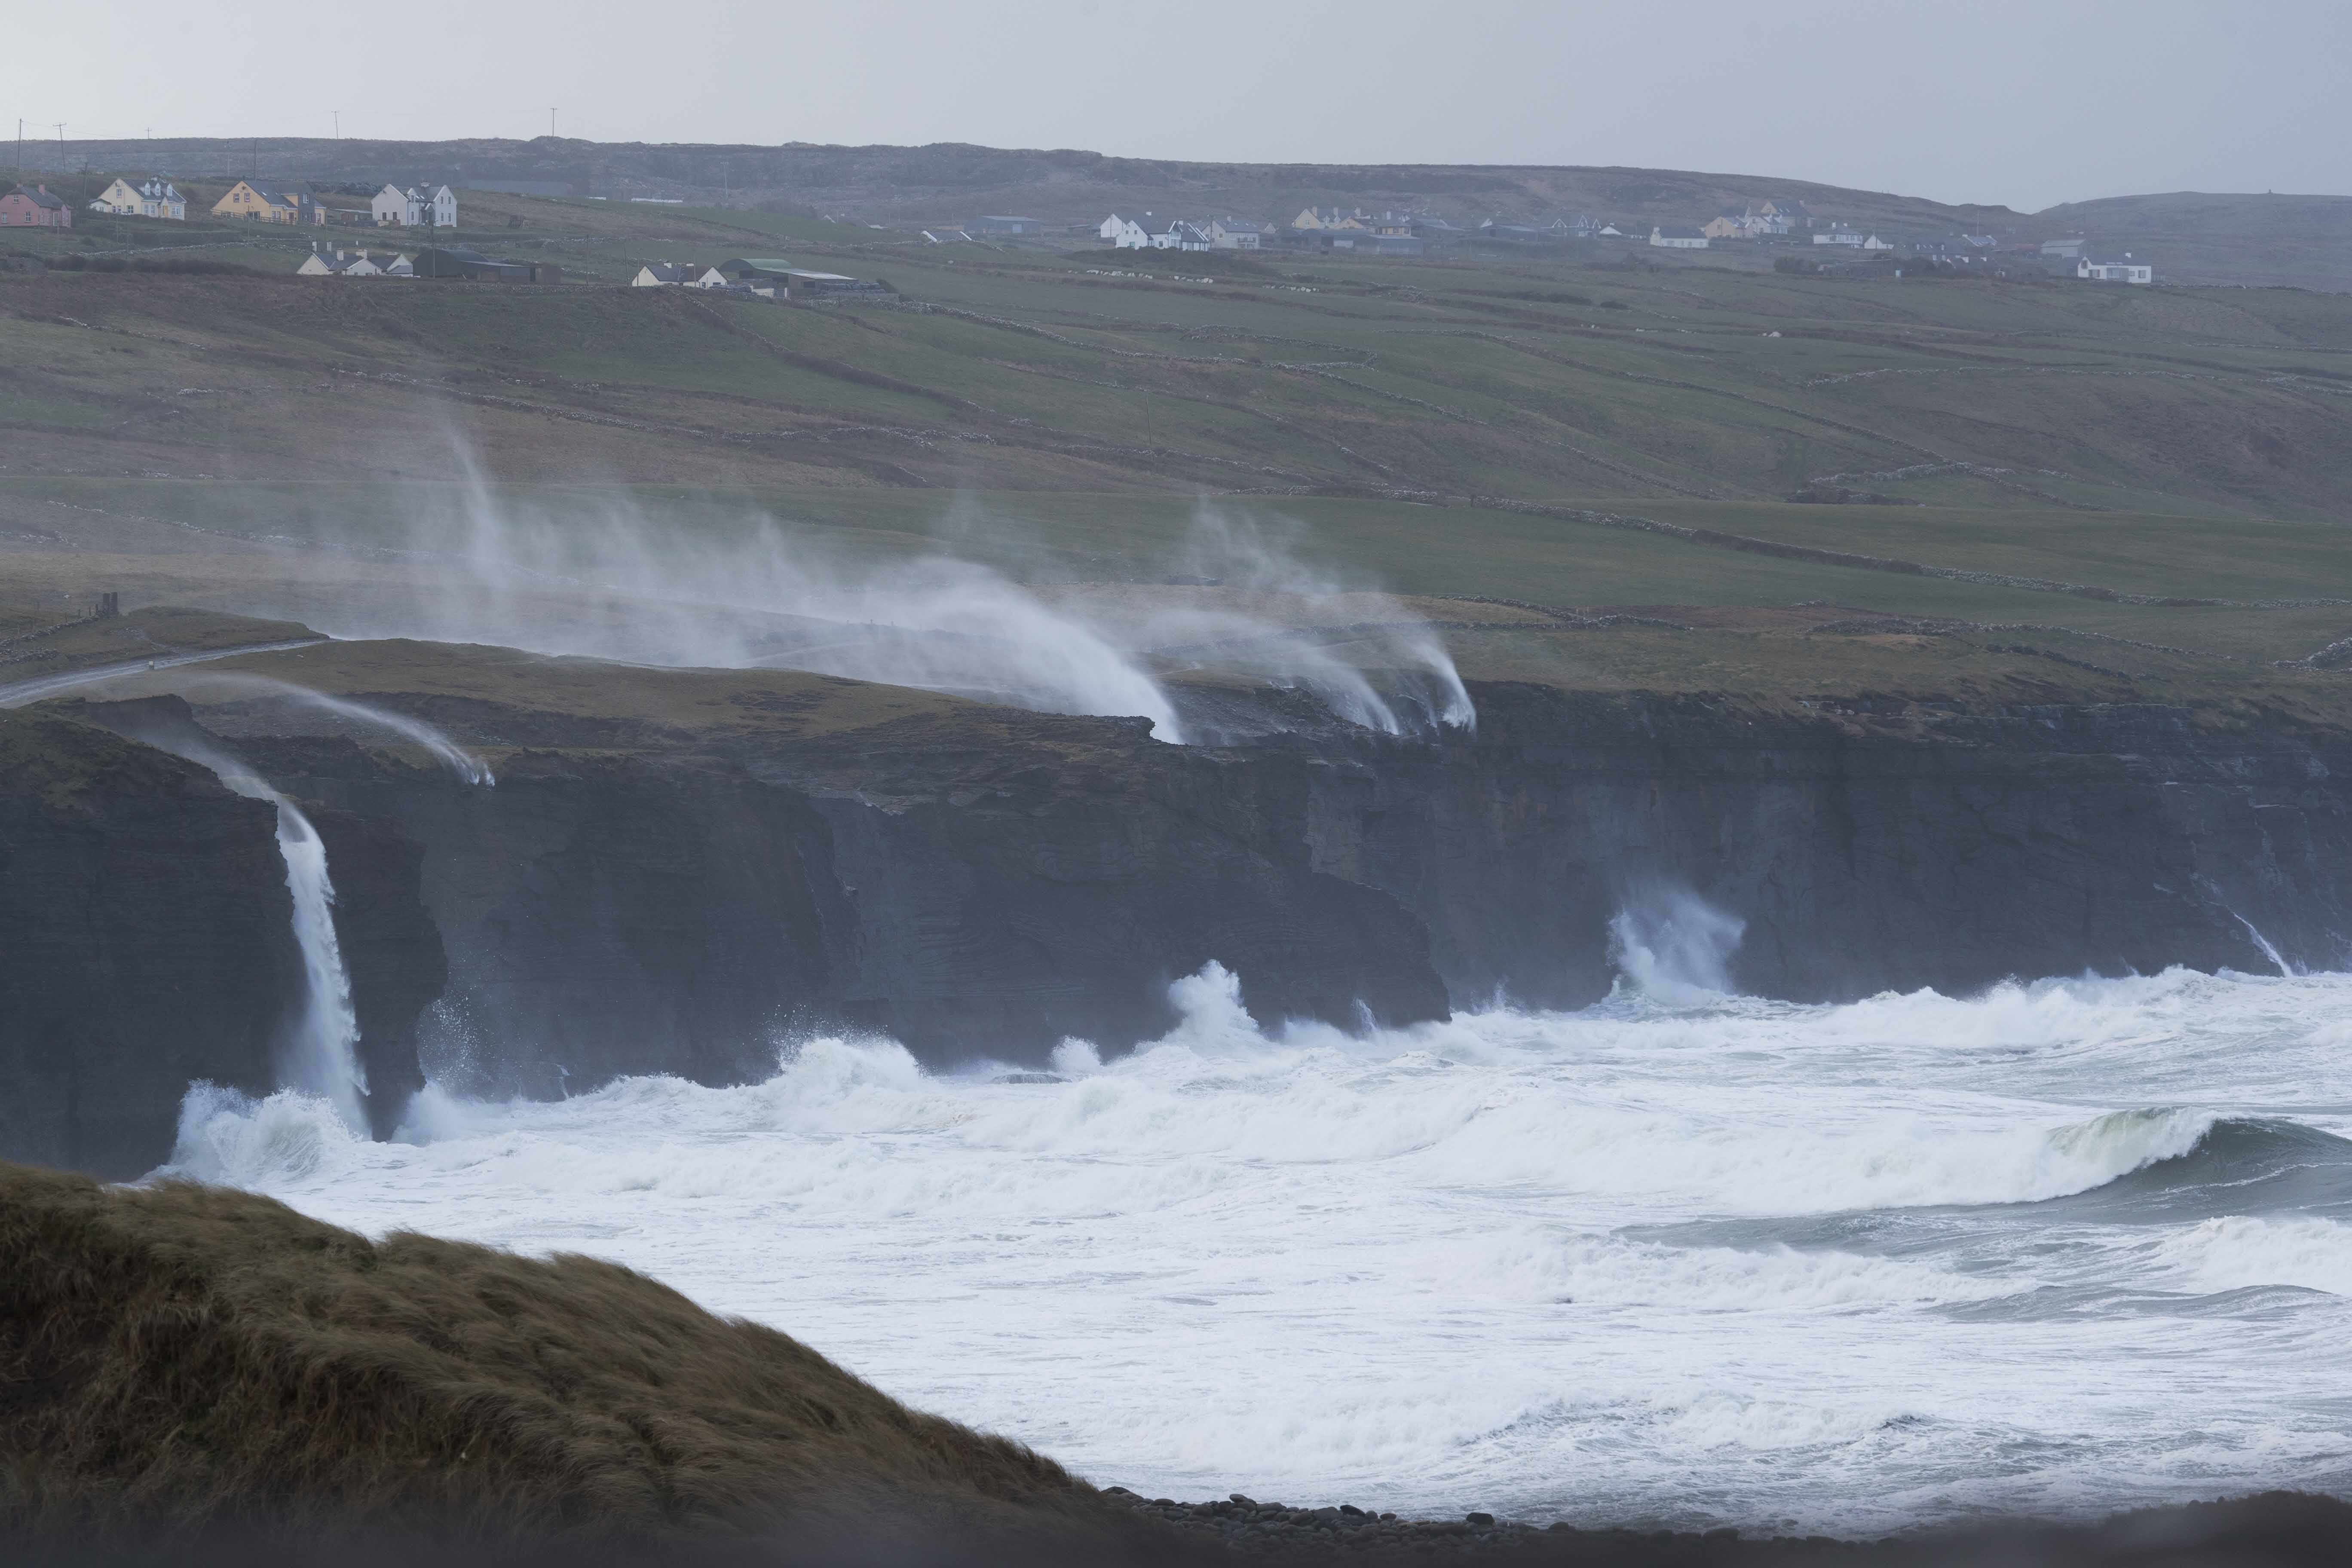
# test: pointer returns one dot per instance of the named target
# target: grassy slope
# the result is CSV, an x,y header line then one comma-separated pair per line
x,y
2173,442
2210,238
189,1354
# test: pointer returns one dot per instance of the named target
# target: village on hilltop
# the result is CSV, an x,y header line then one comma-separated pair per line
x,y
1764,224
1798,239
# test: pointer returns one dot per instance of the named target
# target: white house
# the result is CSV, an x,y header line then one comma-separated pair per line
x,y
2123,269
400,267
1236,234
1174,234
1839,235
1873,242
323,263
708,277
412,206
155,198
656,274
1678,240
1126,233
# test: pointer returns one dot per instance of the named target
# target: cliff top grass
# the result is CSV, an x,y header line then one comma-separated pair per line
x,y
2030,452
183,1355
68,766
498,696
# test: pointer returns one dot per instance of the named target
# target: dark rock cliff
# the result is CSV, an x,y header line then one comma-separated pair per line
x,y
609,912
635,900
1864,851
146,941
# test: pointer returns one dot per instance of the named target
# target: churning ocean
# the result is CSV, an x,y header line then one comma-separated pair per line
x,y
2059,1248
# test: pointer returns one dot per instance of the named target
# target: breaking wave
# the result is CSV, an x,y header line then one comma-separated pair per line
x,y
1782,1266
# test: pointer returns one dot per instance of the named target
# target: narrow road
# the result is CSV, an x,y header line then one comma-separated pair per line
x,y
34,691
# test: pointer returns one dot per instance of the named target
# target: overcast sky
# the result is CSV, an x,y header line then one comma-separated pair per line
x,y
2026,102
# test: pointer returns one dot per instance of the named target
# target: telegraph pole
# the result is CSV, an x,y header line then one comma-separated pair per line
x,y
551,121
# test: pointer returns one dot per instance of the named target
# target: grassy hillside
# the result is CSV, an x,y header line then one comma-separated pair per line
x,y
1580,429
1529,377
198,1355
2259,240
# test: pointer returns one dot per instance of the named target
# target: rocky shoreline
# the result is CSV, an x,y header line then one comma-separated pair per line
x,y
2275,1530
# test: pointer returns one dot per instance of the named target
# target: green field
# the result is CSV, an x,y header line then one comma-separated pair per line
x,y
1442,428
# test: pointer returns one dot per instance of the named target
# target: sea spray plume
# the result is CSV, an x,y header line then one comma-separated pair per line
x,y
754,594
1674,947
603,577
445,751
1259,564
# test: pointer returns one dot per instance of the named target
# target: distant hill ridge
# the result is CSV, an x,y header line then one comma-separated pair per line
x,y
2193,237
1066,183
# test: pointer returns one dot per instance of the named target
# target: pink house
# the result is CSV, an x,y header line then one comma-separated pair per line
x,y
32,206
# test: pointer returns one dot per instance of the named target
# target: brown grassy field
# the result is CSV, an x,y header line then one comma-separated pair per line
x,y
2159,472
199,1356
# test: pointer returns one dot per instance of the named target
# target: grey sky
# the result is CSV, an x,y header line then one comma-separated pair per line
x,y
2028,102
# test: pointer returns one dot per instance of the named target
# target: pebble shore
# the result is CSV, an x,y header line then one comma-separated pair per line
x,y
1243,1524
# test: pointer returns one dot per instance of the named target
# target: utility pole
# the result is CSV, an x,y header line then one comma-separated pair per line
x,y
551,121
338,122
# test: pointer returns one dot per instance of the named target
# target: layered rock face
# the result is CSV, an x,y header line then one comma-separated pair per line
x,y
146,942
630,899
1863,852
611,914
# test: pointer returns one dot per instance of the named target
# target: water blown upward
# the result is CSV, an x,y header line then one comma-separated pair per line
x,y
445,751
615,582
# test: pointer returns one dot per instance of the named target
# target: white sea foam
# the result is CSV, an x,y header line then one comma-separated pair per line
x,y
2244,1252
1736,1262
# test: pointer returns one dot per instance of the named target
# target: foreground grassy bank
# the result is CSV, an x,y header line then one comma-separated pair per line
x,y
196,1375
202,1358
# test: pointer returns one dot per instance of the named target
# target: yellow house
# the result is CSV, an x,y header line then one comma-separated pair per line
x,y
1312,217
263,204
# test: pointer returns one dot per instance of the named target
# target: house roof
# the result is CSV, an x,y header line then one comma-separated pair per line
x,y
1664,233
999,217
775,264
38,198
670,271
274,198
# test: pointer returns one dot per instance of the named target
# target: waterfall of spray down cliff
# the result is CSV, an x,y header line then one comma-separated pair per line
x,y
320,1055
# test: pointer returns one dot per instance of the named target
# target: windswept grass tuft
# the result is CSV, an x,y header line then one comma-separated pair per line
x,y
194,1358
